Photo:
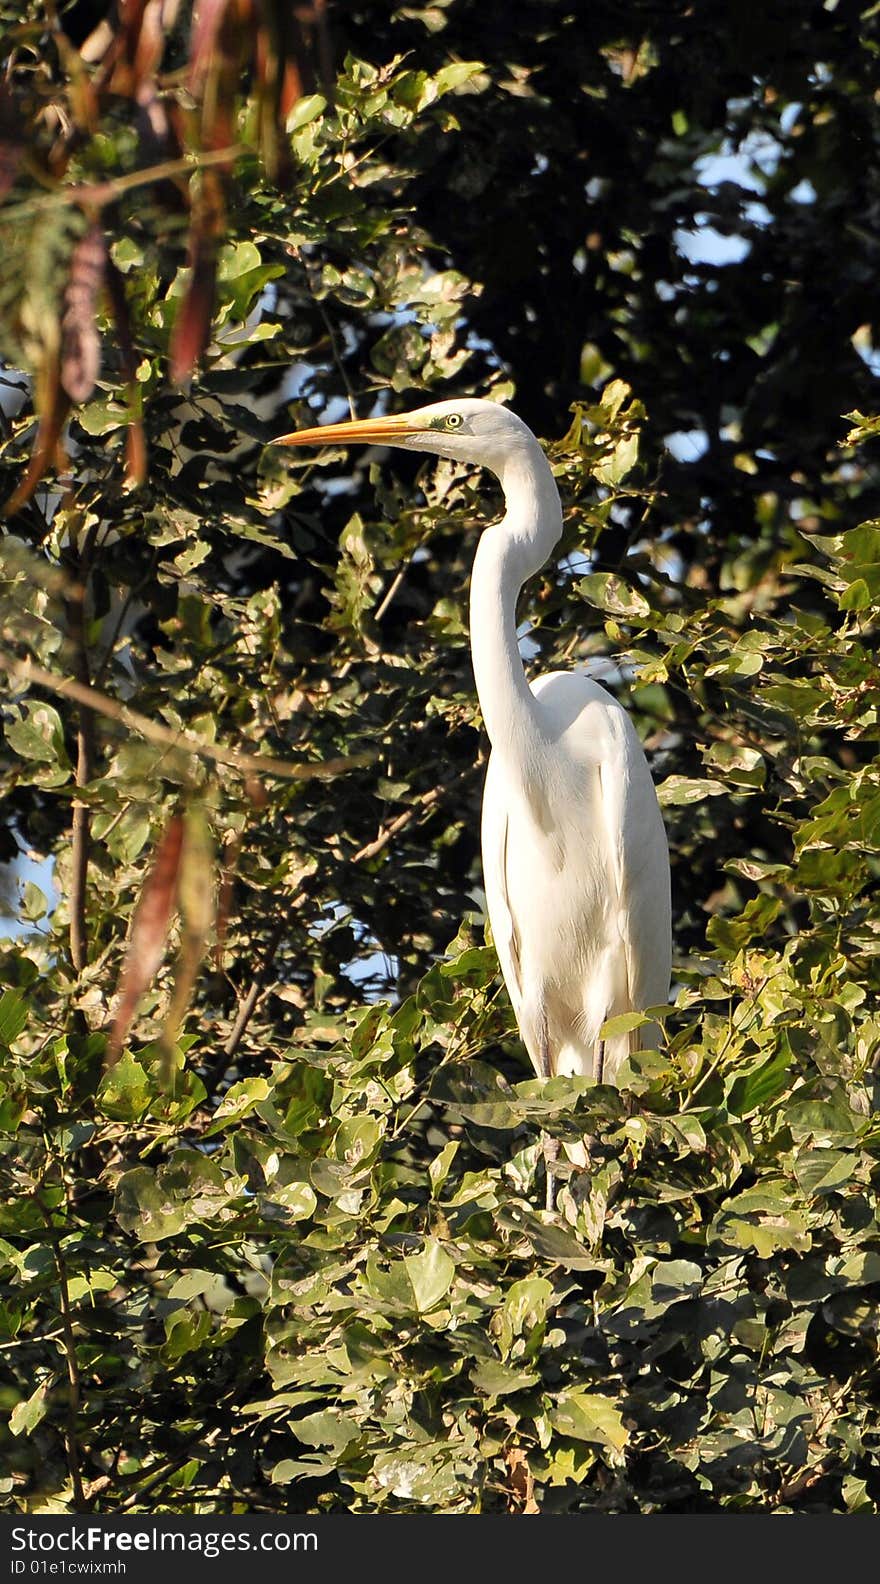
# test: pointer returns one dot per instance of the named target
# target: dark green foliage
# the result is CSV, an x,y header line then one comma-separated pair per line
x,y
287,1253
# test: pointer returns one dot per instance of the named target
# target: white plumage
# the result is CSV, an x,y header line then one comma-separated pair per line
x,y
577,881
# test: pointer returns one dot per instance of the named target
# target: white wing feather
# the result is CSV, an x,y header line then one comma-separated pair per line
x,y
577,878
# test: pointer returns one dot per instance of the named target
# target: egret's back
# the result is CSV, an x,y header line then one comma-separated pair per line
x,y
576,875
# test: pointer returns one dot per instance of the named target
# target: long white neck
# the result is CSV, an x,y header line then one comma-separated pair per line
x,y
508,553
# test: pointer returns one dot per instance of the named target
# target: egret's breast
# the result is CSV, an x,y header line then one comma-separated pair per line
x,y
557,880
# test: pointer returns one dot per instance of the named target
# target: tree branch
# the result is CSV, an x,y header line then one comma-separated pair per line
x,y
250,764
386,835
68,1345
106,192
249,1004
85,757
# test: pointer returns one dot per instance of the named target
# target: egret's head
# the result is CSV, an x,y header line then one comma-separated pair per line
x,y
469,430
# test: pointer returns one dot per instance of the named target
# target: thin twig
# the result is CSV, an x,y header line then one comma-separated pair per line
x,y
100,193
164,1472
68,1344
31,1341
461,1048
327,322
110,646
719,1057
397,824
324,47
256,764
398,580
80,833
249,1004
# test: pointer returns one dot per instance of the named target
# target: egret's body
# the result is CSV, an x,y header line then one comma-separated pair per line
x,y
575,862
577,881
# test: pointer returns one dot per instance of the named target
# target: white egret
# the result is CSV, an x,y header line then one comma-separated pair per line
x,y
575,862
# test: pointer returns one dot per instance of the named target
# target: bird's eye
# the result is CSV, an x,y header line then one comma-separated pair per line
x,y
453,421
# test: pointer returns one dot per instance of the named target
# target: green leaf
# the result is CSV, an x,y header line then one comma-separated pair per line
x,y
678,789
861,1269
331,1429
609,592
236,259
438,1170
306,109
239,1100
478,1093
492,1379
550,1242
298,1199
142,1208
125,1091
34,903
36,733
614,468
28,1414
755,1090
588,1416
856,596
457,75
431,1274
92,1282
624,1023
524,1309
192,1284
741,766
798,698
158,1205
823,1171
102,417
13,1016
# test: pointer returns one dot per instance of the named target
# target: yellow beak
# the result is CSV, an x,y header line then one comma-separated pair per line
x,y
360,431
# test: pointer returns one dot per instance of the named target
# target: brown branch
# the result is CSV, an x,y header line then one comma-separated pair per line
x,y
327,322
255,764
390,831
85,759
251,1000
249,1004
68,1346
164,1471
325,48
393,591
80,842
106,192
